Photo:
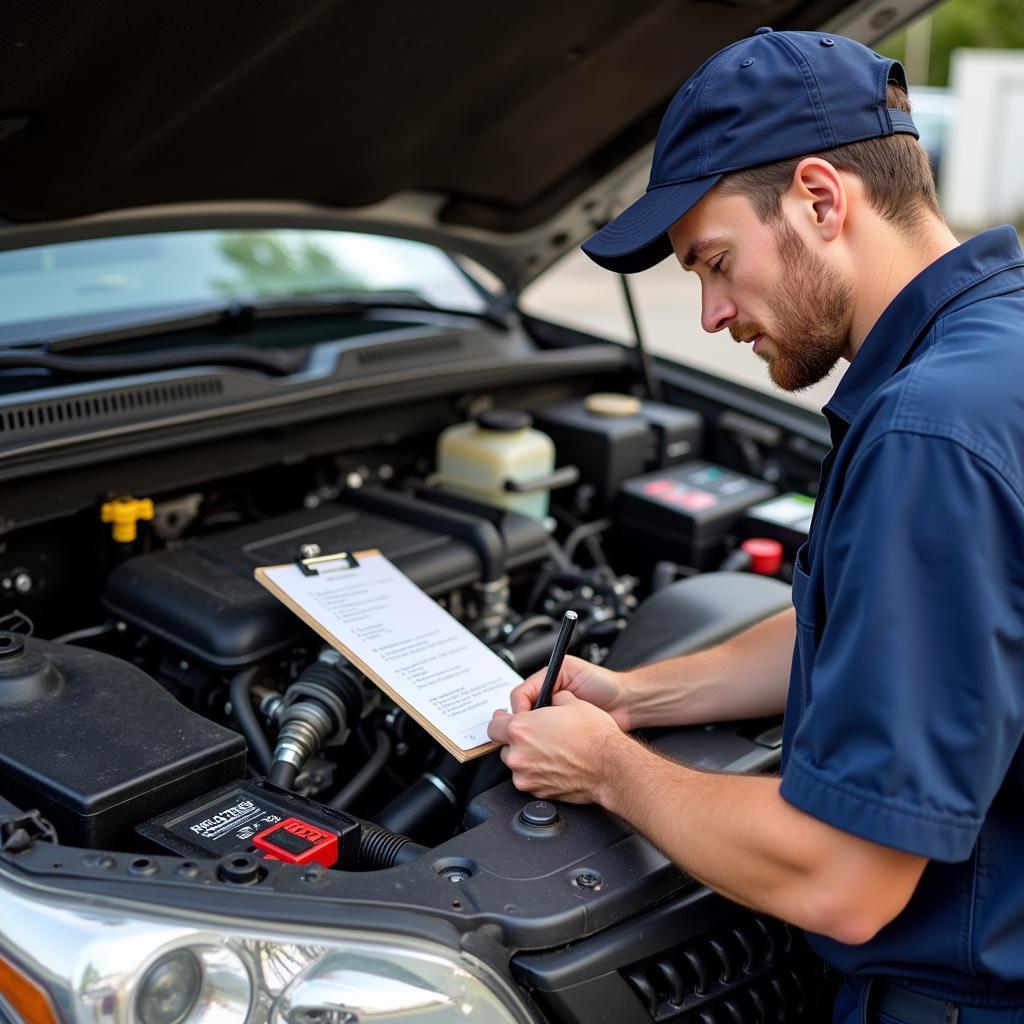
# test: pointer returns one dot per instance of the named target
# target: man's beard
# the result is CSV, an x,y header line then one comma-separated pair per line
x,y
810,313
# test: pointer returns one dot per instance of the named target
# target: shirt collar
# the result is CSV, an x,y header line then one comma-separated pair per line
x,y
909,314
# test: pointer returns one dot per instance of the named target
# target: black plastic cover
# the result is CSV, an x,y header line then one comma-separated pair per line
x,y
203,598
696,613
106,747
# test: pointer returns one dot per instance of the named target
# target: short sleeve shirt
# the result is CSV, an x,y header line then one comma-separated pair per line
x,y
906,703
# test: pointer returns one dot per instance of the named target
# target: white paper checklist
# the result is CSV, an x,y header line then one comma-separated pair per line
x,y
434,667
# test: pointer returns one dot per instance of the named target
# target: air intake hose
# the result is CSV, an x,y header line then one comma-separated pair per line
x,y
317,710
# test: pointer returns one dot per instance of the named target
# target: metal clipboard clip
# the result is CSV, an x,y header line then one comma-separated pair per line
x,y
309,557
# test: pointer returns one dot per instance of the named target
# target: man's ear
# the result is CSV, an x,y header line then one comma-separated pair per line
x,y
819,193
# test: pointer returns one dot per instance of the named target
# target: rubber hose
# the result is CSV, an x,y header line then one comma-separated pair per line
x,y
585,531
245,718
557,555
369,771
523,627
735,561
283,774
532,652
382,848
546,579
430,806
480,534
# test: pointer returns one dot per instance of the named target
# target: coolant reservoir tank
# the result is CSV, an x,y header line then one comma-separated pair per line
x,y
477,459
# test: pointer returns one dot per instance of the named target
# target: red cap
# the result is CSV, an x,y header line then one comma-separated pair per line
x,y
298,842
765,555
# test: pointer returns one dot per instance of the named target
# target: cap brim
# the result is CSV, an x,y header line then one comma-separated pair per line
x,y
637,239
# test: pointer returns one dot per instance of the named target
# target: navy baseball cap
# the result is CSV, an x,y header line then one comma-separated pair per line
x,y
770,97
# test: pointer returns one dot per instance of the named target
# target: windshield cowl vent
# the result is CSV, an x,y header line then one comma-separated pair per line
x,y
112,405
409,351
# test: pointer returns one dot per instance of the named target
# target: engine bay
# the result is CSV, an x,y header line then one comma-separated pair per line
x,y
146,727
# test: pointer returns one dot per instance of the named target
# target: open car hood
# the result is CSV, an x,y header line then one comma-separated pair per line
x,y
506,132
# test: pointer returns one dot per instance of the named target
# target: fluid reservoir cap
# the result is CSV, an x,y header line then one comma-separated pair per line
x,y
539,814
765,555
607,403
505,420
124,514
25,673
11,645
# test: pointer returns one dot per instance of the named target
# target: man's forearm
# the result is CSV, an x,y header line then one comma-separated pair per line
x,y
745,677
737,835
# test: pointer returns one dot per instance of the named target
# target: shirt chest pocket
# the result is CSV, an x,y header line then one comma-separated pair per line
x,y
805,604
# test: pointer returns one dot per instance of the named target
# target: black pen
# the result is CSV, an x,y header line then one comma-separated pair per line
x,y
556,659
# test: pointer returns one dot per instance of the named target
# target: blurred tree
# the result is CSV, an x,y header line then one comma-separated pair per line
x,y
271,264
991,24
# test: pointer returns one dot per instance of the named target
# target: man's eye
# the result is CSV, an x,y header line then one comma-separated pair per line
x,y
716,267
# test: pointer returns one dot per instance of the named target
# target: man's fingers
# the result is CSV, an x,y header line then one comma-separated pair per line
x,y
564,697
524,696
497,728
522,699
519,781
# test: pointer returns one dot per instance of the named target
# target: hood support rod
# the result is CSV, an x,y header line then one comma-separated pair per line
x,y
645,364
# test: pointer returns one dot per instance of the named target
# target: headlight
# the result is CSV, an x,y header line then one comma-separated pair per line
x,y
101,963
169,989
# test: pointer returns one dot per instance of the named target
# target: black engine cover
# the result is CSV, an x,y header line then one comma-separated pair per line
x,y
97,745
203,598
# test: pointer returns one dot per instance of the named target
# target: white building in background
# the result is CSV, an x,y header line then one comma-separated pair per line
x,y
982,172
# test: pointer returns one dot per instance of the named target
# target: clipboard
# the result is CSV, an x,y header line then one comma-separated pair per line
x,y
324,591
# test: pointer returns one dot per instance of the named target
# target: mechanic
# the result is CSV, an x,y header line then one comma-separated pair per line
x,y
787,176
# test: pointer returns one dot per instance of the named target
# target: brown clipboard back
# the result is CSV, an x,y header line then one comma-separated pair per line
x,y
261,573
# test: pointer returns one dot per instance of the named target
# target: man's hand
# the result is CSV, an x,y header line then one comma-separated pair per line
x,y
557,752
598,686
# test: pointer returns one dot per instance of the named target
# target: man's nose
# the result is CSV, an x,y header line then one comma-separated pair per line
x,y
716,312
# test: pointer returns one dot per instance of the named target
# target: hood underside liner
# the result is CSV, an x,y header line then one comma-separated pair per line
x,y
110,105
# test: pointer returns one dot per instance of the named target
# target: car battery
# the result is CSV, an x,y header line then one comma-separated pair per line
x,y
261,819
786,519
611,438
686,513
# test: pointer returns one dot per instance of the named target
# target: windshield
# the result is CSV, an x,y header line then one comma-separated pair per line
x,y
189,268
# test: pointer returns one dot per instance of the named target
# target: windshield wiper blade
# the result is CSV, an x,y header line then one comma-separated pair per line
x,y
276,362
236,316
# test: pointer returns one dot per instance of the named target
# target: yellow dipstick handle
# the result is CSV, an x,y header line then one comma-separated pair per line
x,y
125,513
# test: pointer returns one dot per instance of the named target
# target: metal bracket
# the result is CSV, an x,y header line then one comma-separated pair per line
x,y
19,831
307,565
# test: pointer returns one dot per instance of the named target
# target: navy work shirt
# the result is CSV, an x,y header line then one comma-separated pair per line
x,y
906,702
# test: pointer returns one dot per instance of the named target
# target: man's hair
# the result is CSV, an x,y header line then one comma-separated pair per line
x,y
897,178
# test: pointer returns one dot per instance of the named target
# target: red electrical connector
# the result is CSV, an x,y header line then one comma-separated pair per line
x,y
295,841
